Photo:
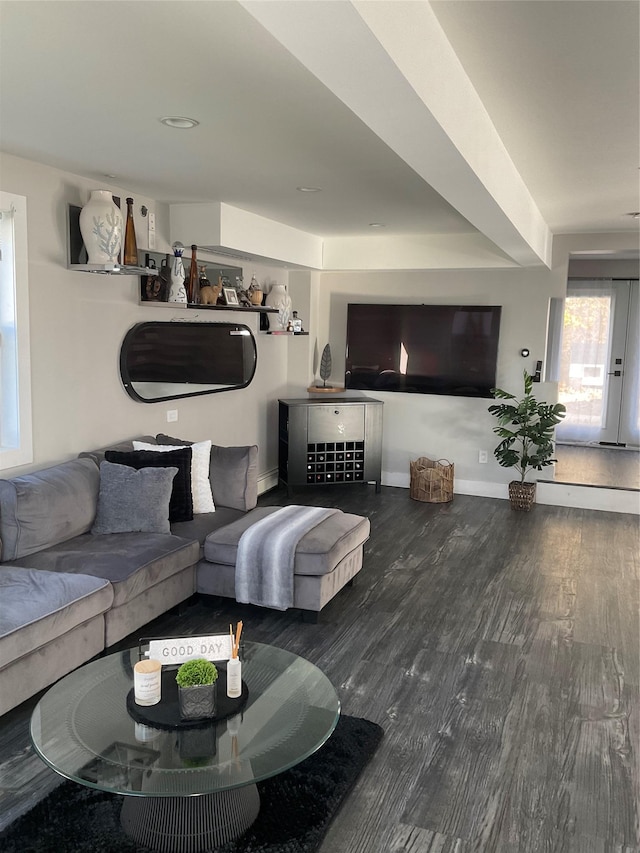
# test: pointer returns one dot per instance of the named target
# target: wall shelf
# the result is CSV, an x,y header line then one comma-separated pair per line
x,y
112,269
190,306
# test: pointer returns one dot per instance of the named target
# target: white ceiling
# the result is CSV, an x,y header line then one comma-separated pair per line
x,y
83,84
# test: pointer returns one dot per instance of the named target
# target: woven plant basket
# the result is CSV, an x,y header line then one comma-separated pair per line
x,y
431,481
522,495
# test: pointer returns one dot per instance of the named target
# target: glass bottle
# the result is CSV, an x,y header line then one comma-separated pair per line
x,y
203,281
193,288
130,258
234,678
297,323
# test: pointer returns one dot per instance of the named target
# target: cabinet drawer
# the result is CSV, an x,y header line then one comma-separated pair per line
x,y
335,423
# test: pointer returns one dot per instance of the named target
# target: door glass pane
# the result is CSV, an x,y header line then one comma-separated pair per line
x,y
630,425
586,343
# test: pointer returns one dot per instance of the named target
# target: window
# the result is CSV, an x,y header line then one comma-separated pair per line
x,y
15,370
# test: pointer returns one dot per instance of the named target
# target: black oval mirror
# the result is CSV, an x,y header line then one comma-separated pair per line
x,y
162,361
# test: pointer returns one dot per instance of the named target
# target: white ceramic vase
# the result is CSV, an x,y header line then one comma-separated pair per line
x,y
101,228
280,299
177,291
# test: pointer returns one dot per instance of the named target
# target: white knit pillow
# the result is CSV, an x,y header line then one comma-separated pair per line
x,y
200,483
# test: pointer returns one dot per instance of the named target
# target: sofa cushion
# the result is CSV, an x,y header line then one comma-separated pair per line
x,y
47,507
233,473
133,562
181,503
318,552
38,607
200,462
133,500
205,523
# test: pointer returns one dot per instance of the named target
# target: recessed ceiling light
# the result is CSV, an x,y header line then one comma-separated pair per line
x,y
309,189
179,122
376,225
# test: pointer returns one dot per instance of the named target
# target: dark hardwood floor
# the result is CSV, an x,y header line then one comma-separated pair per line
x,y
500,653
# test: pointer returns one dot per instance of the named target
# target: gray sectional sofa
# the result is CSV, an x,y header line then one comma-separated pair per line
x,y
66,594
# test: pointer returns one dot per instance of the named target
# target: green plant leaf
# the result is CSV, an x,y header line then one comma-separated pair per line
x,y
194,672
502,395
526,428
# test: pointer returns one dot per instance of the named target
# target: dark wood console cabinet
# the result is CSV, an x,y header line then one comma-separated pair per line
x,y
329,441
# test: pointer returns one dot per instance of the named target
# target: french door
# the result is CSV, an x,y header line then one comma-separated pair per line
x,y
599,363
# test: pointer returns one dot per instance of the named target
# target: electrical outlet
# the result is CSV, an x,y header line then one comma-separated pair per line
x,y
482,456
172,415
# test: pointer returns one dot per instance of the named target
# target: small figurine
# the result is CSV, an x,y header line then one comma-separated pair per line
x,y
255,291
208,294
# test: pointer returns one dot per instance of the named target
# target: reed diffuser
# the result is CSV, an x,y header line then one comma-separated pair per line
x,y
234,667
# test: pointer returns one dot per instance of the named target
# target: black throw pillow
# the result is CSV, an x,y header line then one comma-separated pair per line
x,y
181,503
161,438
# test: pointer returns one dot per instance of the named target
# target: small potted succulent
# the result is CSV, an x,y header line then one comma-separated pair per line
x,y
196,681
526,428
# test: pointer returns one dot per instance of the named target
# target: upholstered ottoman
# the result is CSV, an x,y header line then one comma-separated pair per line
x,y
326,558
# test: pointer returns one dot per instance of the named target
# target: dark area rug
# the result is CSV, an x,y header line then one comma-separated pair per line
x,y
296,807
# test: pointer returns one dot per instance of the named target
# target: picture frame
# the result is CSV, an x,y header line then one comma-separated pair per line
x,y
230,296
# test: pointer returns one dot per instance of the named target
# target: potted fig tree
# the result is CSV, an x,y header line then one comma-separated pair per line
x,y
196,681
526,428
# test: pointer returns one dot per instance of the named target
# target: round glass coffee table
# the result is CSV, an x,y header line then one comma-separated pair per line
x,y
186,789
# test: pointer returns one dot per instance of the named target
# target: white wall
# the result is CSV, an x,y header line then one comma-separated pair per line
x,y
78,321
455,428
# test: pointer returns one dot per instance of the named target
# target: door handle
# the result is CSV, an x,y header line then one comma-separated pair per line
x,y
615,373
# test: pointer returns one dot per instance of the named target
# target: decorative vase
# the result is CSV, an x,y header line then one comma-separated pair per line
x,y
198,702
101,228
193,288
130,243
280,299
522,495
177,292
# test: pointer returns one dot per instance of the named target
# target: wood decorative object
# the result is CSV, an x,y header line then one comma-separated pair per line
x,y
324,389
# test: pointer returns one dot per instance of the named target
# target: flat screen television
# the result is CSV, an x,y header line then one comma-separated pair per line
x,y
423,349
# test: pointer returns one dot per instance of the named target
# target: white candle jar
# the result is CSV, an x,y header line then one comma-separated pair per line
x,y
147,682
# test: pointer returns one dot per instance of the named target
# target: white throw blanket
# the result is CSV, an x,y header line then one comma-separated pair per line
x,y
266,555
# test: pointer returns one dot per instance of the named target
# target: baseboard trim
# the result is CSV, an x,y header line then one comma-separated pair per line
x,y
589,497
267,481
461,487
550,493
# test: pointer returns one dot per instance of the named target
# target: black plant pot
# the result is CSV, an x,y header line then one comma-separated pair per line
x,y
197,703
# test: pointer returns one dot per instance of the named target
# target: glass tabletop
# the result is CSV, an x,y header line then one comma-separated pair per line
x,y
82,729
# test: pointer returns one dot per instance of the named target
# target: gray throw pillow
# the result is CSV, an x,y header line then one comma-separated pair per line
x,y
233,473
181,503
133,501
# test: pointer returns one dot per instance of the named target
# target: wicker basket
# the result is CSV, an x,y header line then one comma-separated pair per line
x,y
522,495
431,481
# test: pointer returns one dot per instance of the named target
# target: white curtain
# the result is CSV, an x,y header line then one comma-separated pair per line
x,y
630,412
584,359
